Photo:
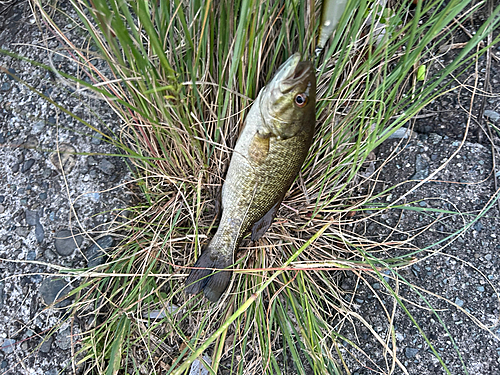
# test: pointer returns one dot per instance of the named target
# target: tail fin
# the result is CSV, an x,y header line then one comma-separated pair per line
x,y
203,278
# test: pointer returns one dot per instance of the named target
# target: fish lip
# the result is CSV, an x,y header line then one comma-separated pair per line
x,y
300,75
293,72
288,67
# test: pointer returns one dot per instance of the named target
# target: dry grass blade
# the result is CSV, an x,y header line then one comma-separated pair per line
x,y
181,76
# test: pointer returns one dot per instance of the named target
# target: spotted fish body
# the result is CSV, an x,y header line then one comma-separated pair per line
x,y
266,159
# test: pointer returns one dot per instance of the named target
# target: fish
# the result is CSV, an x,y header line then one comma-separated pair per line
x,y
266,159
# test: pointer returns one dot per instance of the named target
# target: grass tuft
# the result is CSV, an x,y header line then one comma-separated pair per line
x,y
181,76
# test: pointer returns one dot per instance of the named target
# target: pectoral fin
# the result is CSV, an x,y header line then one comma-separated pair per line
x,y
259,148
261,226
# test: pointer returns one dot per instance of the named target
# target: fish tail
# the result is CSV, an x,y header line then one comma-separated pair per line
x,y
203,277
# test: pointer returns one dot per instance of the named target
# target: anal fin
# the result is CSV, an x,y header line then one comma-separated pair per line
x,y
261,226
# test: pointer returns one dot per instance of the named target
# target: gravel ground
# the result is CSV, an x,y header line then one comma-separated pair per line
x,y
50,215
460,275
464,270
53,205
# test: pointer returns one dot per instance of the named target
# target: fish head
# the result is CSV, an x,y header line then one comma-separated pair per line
x,y
288,102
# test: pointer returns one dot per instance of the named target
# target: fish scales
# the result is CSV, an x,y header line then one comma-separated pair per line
x,y
251,189
266,159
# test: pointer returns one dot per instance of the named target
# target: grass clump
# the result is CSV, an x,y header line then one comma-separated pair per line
x,y
181,75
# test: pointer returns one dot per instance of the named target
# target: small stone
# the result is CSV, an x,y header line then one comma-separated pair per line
x,y
410,352
39,233
32,217
401,133
106,166
49,255
480,289
36,279
2,209
376,286
435,138
42,196
423,204
15,168
4,364
197,367
492,115
12,72
488,257
346,285
478,226
65,159
46,344
96,254
8,346
31,255
52,371
58,57
22,231
52,289
31,142
63,339
421,168
2,198
96,139
91,161
27,165
66,242
38,127
2,284
95,196
5,86
459,302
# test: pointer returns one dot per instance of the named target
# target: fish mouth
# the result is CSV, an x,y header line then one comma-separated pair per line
x,y
293,73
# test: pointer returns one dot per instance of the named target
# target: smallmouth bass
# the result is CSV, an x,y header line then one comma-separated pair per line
x,y
267,157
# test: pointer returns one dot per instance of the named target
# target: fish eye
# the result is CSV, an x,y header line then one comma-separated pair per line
x,y
300,100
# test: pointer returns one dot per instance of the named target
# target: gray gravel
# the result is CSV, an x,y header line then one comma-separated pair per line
x,y
465,271
67,241
96,254
48,193
54,289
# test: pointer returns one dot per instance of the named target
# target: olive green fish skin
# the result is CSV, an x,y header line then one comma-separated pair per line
x,y
266,159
